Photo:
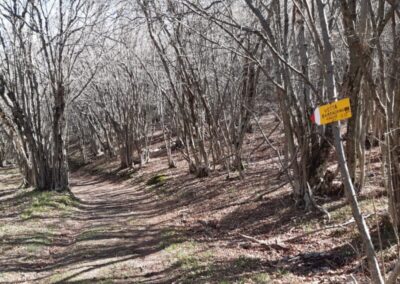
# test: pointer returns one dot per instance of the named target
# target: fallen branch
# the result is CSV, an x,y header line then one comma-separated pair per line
x,y
308,196
270,245
261,195
342,225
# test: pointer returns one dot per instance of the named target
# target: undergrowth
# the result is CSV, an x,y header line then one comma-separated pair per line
x,y
41,203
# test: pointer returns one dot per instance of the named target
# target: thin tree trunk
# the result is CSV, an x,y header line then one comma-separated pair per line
x,y
375,271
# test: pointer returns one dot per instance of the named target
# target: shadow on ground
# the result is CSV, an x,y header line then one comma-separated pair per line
x,y
117,231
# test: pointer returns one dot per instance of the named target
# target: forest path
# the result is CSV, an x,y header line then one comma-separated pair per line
x,y
121,229
115,233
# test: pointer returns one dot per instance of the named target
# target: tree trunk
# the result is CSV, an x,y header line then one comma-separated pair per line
x,y
375,271
167,141
60,164
126,155
1,159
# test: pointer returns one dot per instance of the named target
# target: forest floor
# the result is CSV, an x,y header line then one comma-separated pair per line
x,y
161,225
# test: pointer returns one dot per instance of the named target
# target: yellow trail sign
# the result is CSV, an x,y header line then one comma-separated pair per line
x,y
332,112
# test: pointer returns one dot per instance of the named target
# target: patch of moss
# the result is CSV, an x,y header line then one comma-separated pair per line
x,y
44,238
36,242
157,180
170,237
282,272
40,203
192,262
34,248
261,278
245,262
92,234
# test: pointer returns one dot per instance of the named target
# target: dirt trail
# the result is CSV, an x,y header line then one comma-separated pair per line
x,y
120,228
113,236
183,230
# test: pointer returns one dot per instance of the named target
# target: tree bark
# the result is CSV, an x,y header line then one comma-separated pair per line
x,y
59,165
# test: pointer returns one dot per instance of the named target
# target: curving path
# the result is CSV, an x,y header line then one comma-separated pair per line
x,y
115,235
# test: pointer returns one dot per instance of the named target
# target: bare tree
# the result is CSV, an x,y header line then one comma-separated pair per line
x,y
39,64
